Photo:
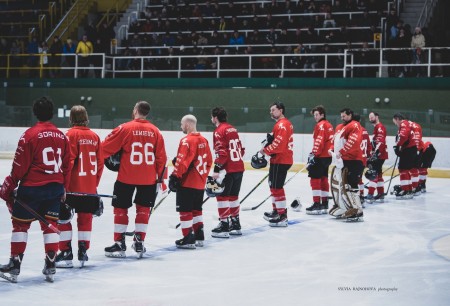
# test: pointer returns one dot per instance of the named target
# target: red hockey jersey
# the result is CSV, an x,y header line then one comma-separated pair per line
x,y
347,141
193,161
416,131
143,153
366,146
42,157
379,140
86,159
228,148
281,149
323,138
405,135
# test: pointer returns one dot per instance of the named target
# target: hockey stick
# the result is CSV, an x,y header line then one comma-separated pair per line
x,y
113,196
254,188
255,207
38,216
390,180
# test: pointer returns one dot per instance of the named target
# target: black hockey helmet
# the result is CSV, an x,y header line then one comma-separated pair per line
x,y
397,189
213,188
371,174
258,161
113,162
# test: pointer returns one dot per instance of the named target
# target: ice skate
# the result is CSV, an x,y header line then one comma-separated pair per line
x,y
423,187
187,242
280,220
49,266
64,259
138,246
12,269
403,195
199,236
270,214
353,215
222,230
314,209
117,250
324,207
82,255
370,198
235,226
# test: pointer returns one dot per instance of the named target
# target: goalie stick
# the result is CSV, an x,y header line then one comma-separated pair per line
x,y
256,206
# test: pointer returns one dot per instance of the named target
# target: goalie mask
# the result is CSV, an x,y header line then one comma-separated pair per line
x,y
213,188
371,174
113,162
258,161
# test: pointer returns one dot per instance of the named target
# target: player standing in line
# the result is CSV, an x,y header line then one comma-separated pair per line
x,y
347,149
377,158
188,179
405,148
229,152
280,148
416,130
142,164
86,164
366,148
319,161
42,166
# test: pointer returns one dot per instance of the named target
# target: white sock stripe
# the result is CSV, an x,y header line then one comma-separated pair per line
x,y
324,194
372,184
186,224
404,182
120,228
422,177
51,238
415,179
19,237
380,184
65,236
234,204
316,193
223,204
197,219
280,204
140,227
84,235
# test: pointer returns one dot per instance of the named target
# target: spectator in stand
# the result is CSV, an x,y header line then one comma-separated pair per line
x,y
16,61
84,49
272,37
402,41
56,49
417,43
43,59
107,34
222,24
236,39
69,49
33,60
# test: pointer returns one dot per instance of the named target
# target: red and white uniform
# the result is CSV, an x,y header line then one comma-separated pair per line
x,y
192,166
281,149
347,141
42,157
228,148
416,131
143,151
379,139
323,138
323,141
229,152
193,161
405,139
366,146
86,164
142,161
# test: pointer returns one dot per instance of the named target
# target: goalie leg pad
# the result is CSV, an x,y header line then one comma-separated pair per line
x,y
338,183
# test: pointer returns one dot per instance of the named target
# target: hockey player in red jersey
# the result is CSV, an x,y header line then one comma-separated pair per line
x,y
228,171
366,148
319,161
86,163
41,170
142,164
349,168
416,130
188,179
406,149
377,158
280,149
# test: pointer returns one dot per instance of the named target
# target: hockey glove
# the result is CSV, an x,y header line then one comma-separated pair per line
x,y
268,141
397,150
6,191
174,183
311,160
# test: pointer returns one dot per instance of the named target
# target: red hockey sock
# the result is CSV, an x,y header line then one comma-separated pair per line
x,y
120,222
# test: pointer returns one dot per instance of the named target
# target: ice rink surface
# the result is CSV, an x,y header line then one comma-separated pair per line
x,y
400,255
